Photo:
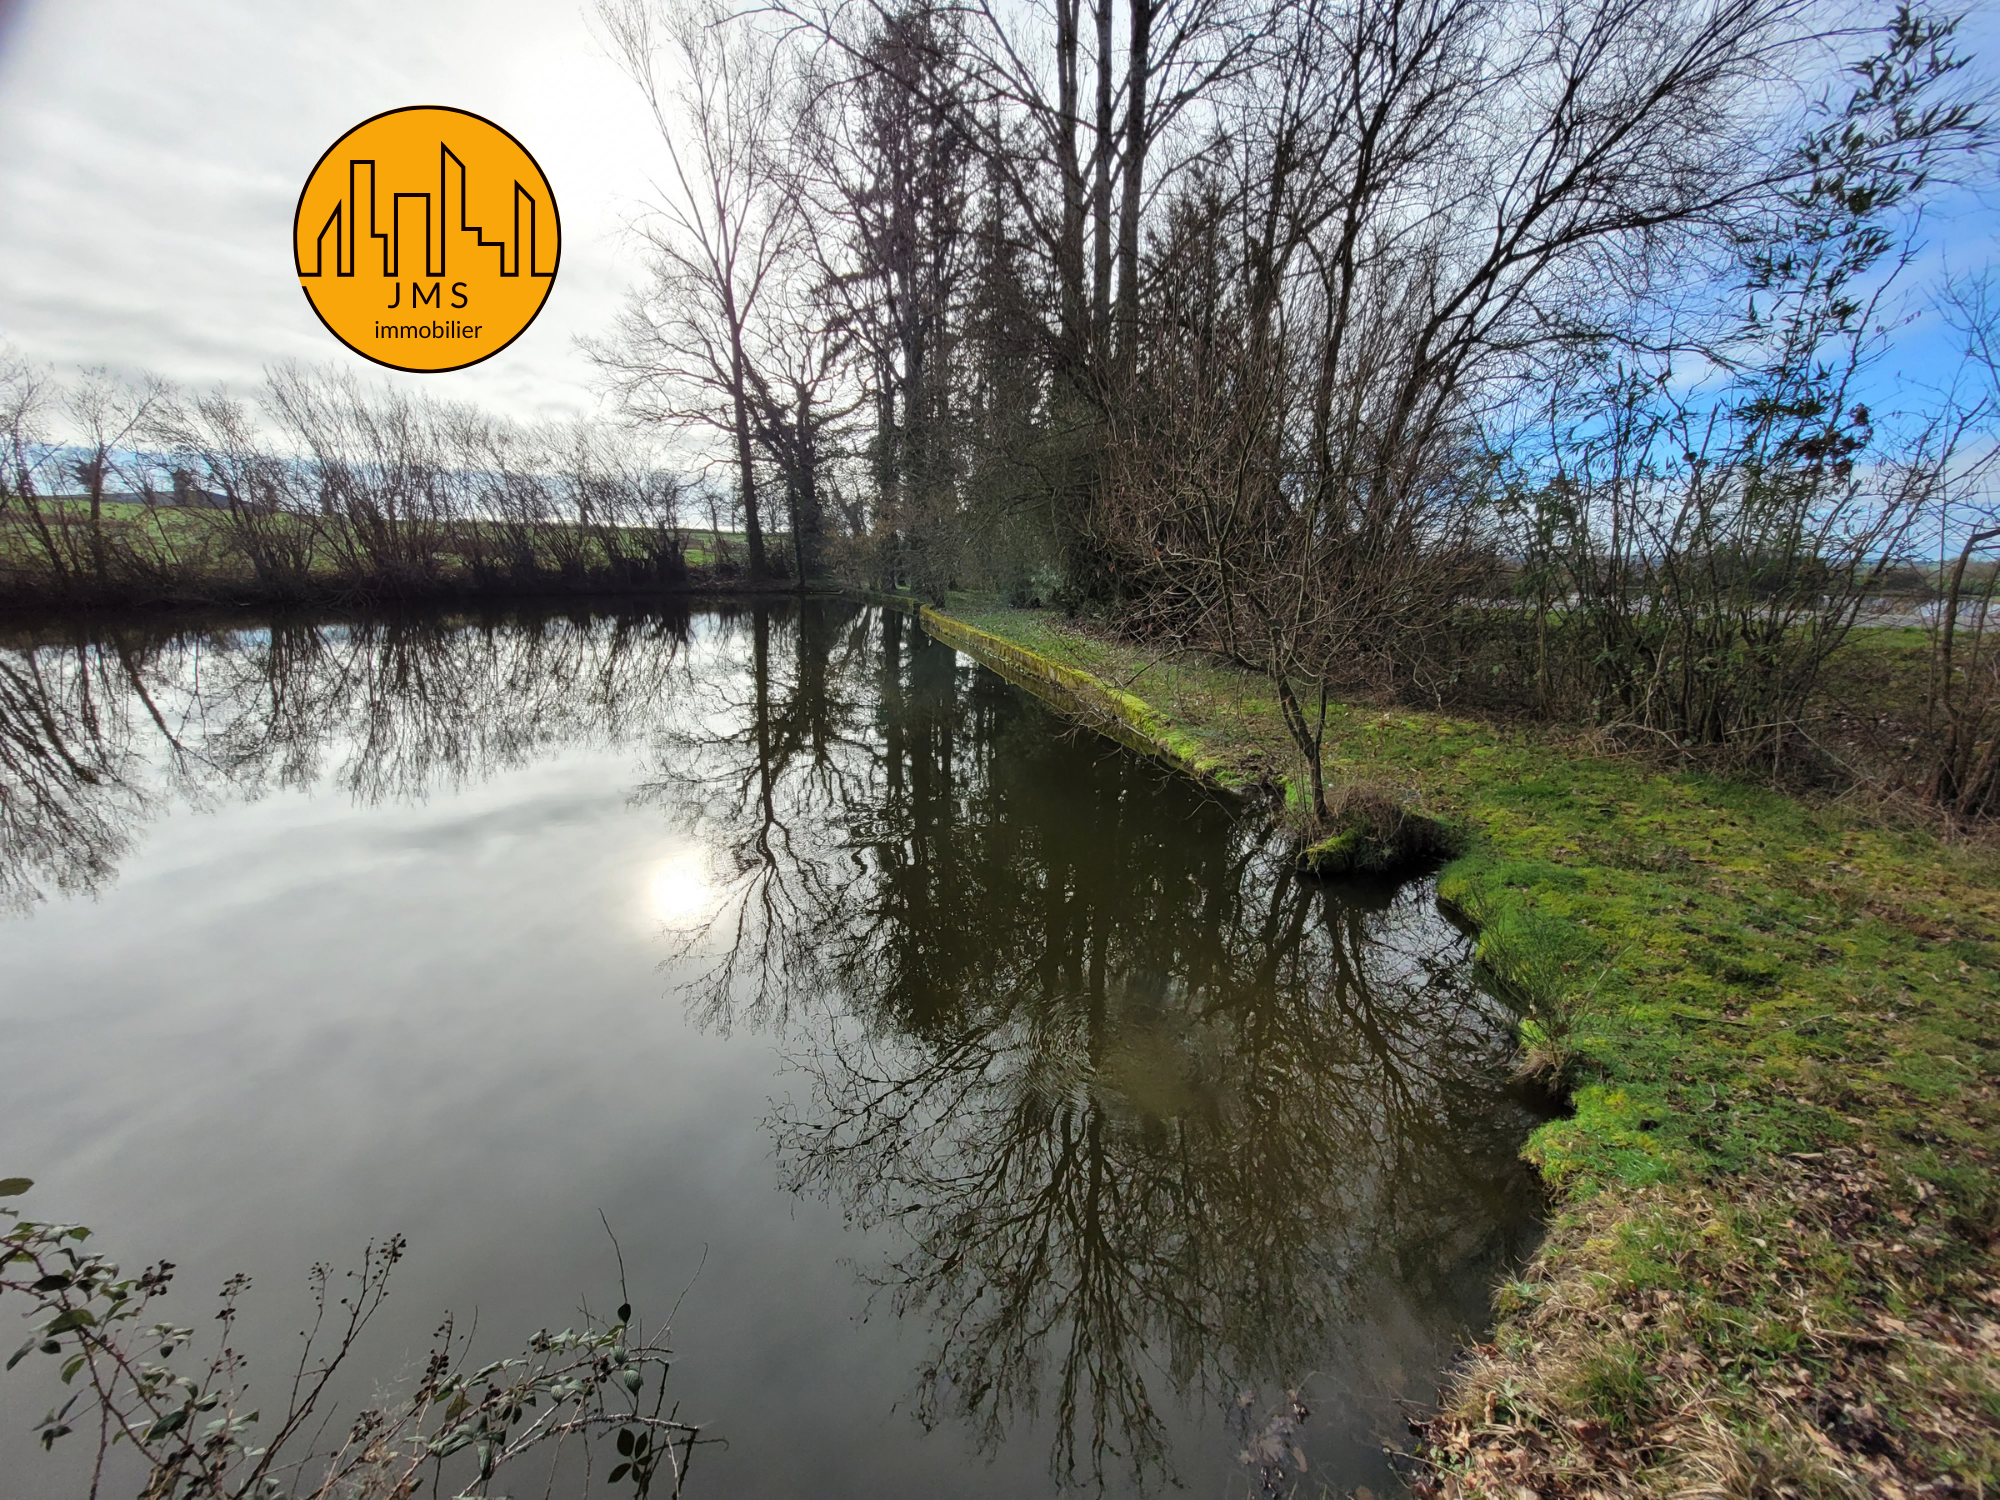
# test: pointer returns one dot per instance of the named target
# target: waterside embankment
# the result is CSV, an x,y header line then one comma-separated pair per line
x,y
1773,1264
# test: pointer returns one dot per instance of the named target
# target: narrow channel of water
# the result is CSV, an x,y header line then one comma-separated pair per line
x,y
1003,1112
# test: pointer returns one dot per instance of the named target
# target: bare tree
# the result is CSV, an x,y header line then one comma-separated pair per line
x,y
1066,114
217,443
103,416
1425,205
1700,548
27,393
107,414
382,466
724,229
803,396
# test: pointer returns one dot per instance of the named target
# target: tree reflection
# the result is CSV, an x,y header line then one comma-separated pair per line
x,y
766,767
1149,1115
66,805
1145,1107
98,731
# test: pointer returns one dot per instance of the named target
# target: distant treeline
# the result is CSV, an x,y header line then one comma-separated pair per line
x,y
125,492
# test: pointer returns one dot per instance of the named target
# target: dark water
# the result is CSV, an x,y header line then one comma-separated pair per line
x,y
1010,1115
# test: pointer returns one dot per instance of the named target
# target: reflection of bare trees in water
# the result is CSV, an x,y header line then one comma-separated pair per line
x,y
431,703
65,802
777,751
1196,1171
97,731
1150,1114
1147,1109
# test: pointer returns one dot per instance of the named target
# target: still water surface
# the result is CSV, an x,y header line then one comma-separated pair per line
x,y
1009,1114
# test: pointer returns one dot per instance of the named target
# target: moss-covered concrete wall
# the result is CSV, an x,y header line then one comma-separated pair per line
x,y
1108,709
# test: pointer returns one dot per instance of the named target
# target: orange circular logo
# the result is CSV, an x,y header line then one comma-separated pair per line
x,y
427,239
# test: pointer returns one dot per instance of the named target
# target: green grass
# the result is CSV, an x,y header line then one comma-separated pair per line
x,y
1734,982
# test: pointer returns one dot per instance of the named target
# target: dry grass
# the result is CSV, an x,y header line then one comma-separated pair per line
x,y
1831,1280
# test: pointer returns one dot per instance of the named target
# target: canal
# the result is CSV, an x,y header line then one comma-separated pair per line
x,y
994,1112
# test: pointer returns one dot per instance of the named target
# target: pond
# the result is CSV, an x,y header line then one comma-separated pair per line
x,y
995,1112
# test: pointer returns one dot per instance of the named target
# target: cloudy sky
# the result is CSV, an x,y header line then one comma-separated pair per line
x,y
152,152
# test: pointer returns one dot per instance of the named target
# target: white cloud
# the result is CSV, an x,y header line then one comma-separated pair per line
x,y
152,151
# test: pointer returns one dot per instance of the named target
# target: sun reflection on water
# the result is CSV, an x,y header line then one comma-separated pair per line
x,y
679,887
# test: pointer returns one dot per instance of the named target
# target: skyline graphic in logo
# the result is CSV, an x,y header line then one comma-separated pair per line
x,y
426,239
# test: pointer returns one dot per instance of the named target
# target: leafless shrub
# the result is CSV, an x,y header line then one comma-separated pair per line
x,y
323,486
1693,552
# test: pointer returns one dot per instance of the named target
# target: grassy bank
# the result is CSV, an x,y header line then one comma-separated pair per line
x,y
1774,1257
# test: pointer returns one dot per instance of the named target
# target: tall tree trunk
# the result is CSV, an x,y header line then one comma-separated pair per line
x,y
1069,253
1136,143
887,476
1100,206
95,474
809,525
753,530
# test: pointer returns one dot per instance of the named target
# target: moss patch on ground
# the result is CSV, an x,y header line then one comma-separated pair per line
x,y
1781,1026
